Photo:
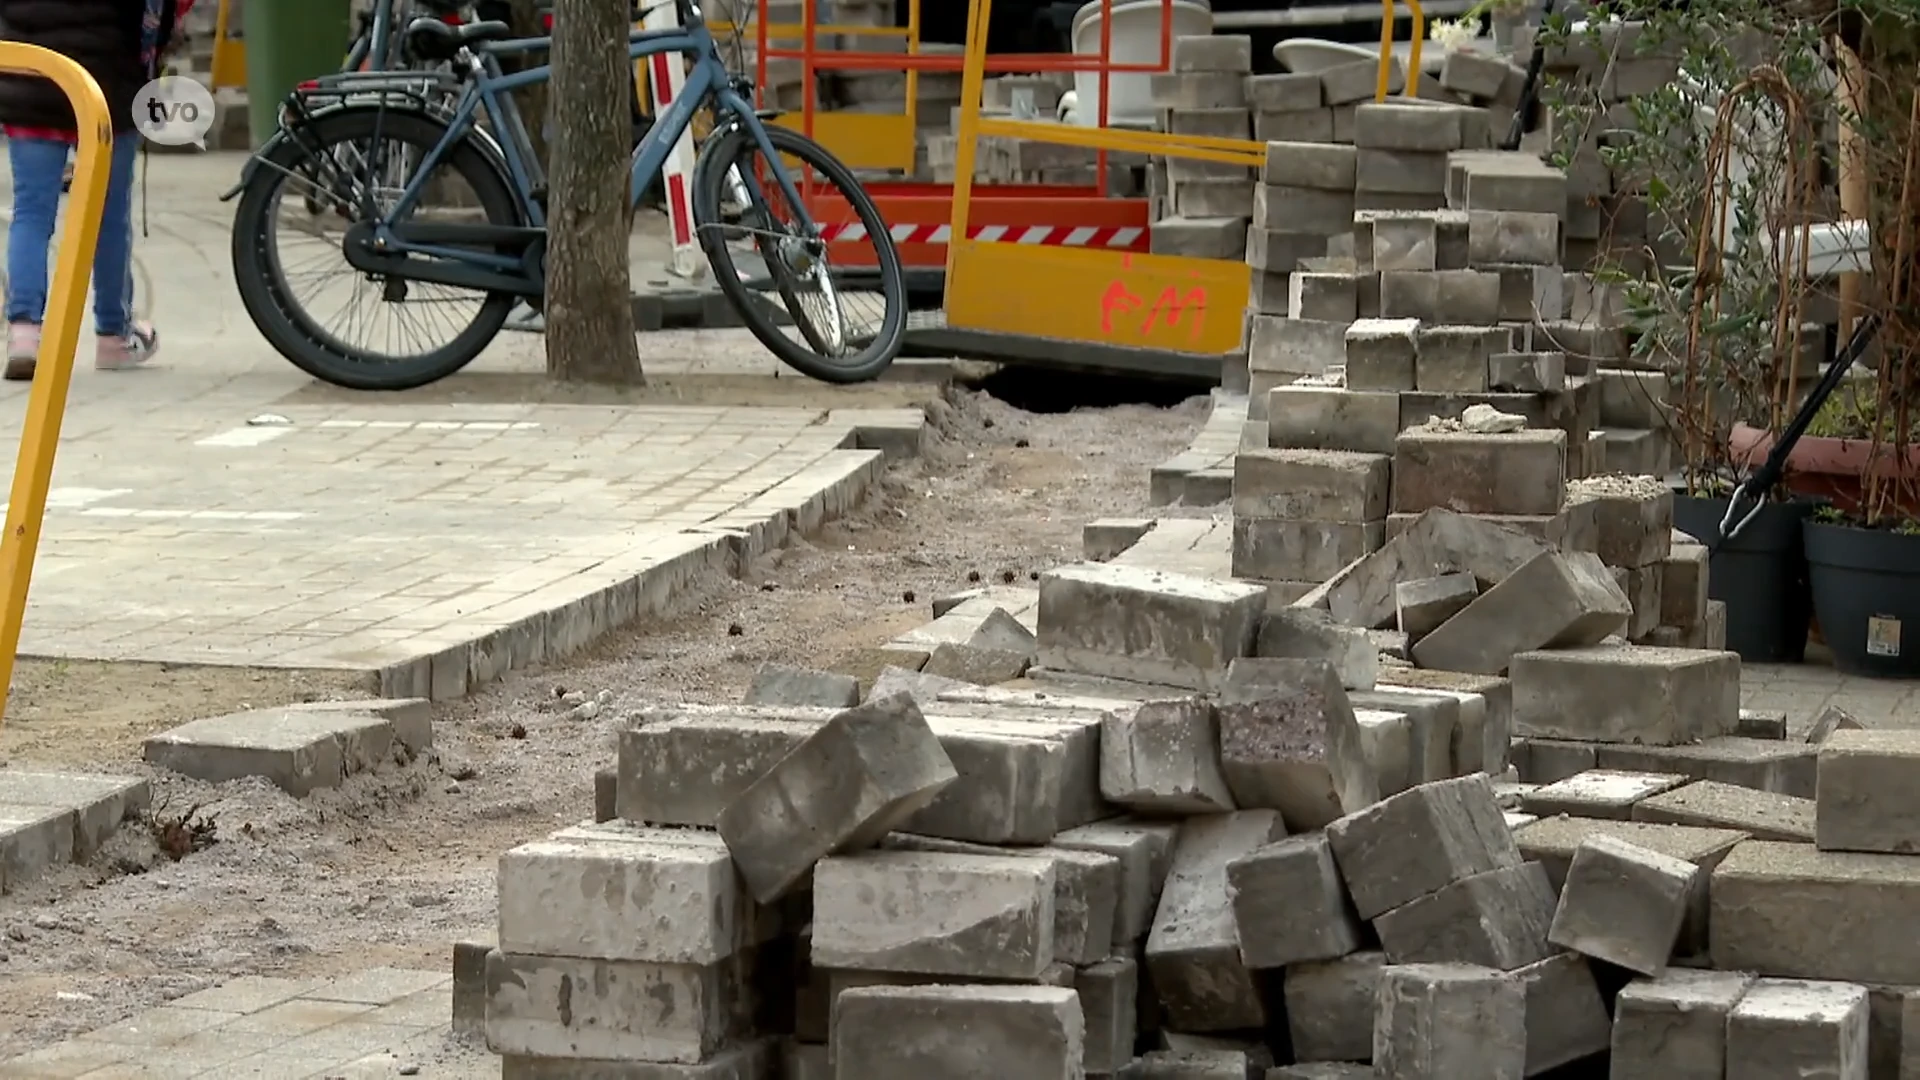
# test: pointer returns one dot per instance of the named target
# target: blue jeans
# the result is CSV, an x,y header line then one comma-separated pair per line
x,y
38,165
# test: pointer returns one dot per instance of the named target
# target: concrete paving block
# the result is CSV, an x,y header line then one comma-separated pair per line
x,y
665,896
559,1007
1386,738
1274,550
1321,1070
1497,919
1458,359
1449,1020
1484,738
1325,295
1547,761
1634,515
1310,485
780,684
1764,815
1311,634
754,1060
1164,757
1567,1021
1321,166
1599,793
974,664
1196,1064
1557,601
606,793
1332,418
1107,992
1193,953
1086,895
1785,1028
1298,210
1515,472
1838,905
1624,904
1770,724
1552,842
1761,764
1831,719
1432,720
1388,126
934,913
1146,626
859,776
298,749
1145,851
33,839
1401,172
1280,345
1289,742
1200,90
1626,693
1381,356
1869,792
1418,842
1010,784
1104,538
470,985
1213,52
99,803
1289,904
1330,1006
683,765
921,684
1420,606
982,1031
1285,92
1675,1026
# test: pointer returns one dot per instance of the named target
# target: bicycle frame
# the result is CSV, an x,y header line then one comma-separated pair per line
x,y
491,90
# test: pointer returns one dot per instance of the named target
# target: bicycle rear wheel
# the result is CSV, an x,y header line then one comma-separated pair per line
x,y
851,320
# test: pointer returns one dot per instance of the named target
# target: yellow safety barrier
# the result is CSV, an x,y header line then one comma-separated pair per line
x,y
1386,48
59,337
1162,302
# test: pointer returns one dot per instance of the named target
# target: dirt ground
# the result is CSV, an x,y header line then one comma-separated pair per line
x,y
393,868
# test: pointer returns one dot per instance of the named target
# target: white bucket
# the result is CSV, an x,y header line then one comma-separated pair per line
x,y
1138,28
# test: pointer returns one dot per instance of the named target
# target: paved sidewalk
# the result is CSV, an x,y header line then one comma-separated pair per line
x,y
225,509
374,1024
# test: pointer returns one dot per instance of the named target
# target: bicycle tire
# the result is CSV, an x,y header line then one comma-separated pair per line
x,y
709,189
266,296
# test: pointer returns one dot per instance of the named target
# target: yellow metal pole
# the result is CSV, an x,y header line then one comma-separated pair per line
x,y
59,337
1386,49
1419,39
973,78
913,72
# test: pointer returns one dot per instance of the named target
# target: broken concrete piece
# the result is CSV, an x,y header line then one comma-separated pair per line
x,y
1001,631
1675,1026
1163,756
1438,542
1449,1020
1601,793
1623,904
1498,919
779,684
1784,1029
973,664
1869,793
1142,625
1193,952
1292,633
1625,694
1036,1031
922,686
1289,742
861,775
1557,600
1418,842
1420,606
1290,905
934,913
1831,719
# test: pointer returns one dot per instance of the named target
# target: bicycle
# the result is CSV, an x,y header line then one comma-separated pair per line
x,y
739,168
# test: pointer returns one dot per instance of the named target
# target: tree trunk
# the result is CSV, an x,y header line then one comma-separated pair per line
x,y
531,100
589,313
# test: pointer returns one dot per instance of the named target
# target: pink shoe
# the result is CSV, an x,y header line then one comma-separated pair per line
x,y
129,350
23,349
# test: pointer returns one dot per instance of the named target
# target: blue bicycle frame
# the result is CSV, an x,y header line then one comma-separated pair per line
x,y
709,78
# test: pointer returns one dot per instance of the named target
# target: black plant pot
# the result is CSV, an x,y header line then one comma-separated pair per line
x,y
1761,575
1866,589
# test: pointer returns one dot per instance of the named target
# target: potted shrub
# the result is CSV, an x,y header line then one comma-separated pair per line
x,y
1710,297
1831,461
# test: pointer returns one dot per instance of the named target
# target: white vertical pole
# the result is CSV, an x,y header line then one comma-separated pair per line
x,y
668,79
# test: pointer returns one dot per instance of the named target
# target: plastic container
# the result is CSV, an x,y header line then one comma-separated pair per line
x,y
1866,590
1138,27
289,42
1761,576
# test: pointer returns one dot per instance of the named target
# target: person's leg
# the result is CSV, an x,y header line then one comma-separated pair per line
x,y
124,341
36,204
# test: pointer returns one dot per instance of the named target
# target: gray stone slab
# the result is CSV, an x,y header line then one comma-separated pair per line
x,y
682,765
1764,815
1784,1029
549,1006
1449,1020
934,913
297,749
986,1031
100,803
1151,626
32,839
1675,1026
1193,952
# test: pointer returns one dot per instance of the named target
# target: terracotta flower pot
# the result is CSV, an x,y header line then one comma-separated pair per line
x,y
1823,467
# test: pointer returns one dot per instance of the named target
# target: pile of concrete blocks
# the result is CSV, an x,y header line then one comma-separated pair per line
x,y
1485,80
1201,208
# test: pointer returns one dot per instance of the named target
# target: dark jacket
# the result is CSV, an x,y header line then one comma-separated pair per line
x,y
102,35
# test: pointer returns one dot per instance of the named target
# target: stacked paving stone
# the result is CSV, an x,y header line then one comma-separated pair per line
x,y
1200,208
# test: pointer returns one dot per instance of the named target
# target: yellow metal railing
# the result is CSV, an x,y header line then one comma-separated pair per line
x,y
1386,48
59,337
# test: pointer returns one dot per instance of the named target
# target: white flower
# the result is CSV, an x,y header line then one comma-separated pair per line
x,y
1452,33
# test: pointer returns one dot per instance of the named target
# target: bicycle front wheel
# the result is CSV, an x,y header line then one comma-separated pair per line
x,y
851,319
